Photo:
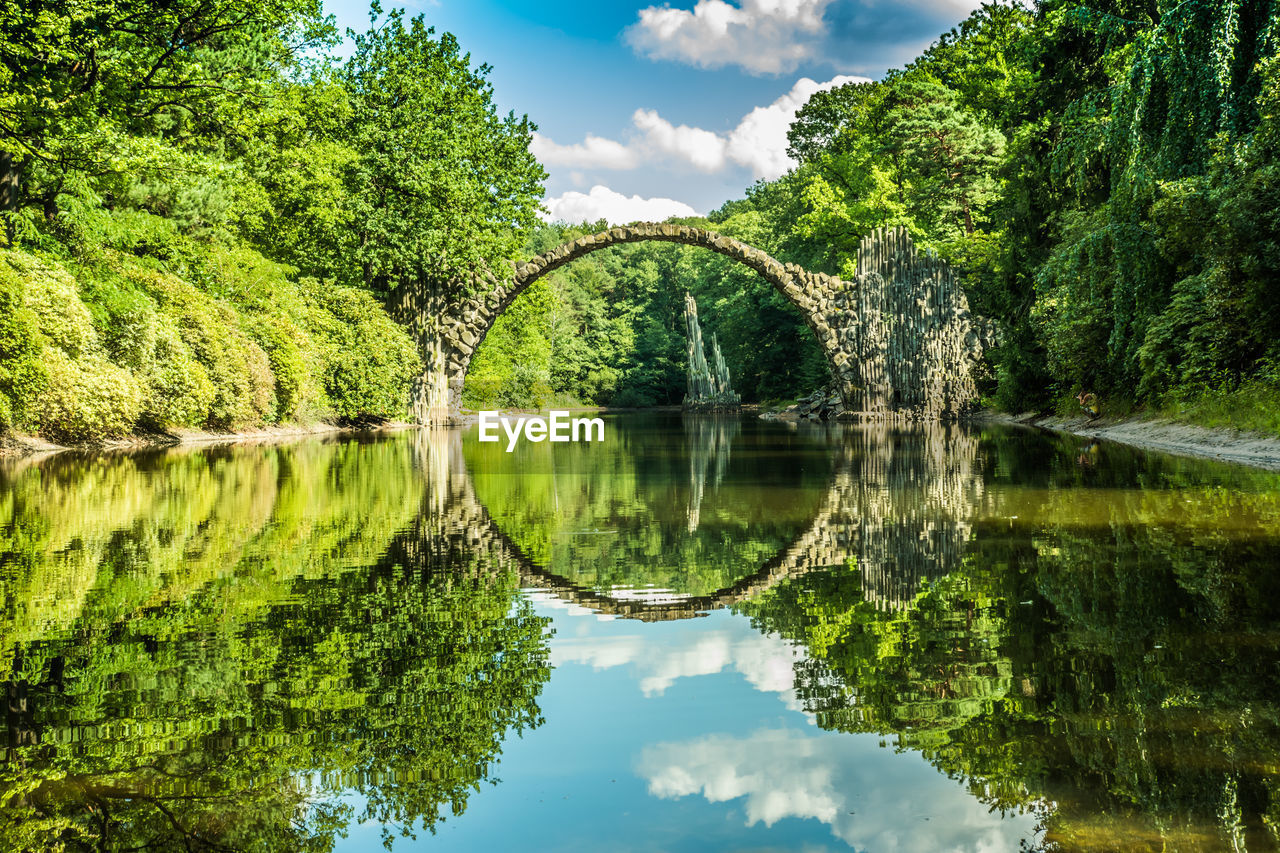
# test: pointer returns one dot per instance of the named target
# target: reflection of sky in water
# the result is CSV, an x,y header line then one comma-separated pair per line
x,y
688,735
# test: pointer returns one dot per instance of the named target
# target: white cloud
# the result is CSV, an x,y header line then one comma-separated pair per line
x,y
872,798
759,142
760,139
761,36
766,661
604,203
594,152
702,149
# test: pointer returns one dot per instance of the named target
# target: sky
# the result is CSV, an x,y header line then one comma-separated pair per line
x,y
647,110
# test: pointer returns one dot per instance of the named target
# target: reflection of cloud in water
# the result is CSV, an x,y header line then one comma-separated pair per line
x,y
871,797
765,660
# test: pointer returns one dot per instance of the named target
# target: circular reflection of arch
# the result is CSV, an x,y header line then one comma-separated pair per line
x,y
897,506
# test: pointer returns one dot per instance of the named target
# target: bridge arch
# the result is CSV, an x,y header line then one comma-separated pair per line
x,y
897,338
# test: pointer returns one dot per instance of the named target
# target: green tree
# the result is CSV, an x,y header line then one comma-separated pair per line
x,y
442,184
949,156
87,90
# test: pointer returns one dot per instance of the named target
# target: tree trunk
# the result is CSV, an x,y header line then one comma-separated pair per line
x,y
10,186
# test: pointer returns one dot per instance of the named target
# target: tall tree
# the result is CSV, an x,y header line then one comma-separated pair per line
x,y
443,183
950,156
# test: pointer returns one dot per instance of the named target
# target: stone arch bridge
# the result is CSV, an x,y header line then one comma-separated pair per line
x,y
899,338
898,506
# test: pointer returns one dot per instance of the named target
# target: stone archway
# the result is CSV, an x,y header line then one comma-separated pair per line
x,y
898,339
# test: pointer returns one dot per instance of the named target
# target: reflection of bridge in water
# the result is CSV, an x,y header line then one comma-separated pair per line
x,y
897,507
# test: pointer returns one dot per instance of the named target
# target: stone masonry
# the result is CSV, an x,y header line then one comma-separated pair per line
x,y
899,339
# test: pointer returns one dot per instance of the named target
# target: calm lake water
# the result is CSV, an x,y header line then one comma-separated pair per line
x,y
702,634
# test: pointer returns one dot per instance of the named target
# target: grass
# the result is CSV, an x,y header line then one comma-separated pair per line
x,y
1253,406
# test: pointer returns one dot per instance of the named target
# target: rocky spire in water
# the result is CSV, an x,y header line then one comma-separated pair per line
x,y
701,383
724,388
707,388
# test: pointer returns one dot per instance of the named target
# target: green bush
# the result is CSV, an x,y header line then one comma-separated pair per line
x,y
126,320
368,360
178,389
244,389
87,400
120,344
284,344
275,316
51,295
22,375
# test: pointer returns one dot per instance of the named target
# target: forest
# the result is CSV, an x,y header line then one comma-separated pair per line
x,y
203,217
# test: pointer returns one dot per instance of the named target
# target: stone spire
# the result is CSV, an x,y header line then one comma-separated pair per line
x,y
701,383
708,389
724,388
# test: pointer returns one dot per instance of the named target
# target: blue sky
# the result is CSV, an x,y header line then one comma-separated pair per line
x,y
649,109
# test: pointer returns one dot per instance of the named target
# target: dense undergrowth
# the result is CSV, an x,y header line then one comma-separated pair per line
x,y
101,349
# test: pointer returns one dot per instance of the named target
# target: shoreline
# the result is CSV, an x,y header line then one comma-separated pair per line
x,y
1222,444
1165,436
21,446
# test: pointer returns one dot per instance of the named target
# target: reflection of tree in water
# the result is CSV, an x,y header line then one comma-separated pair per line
x,y
210,677
710,438
1104,652
613,518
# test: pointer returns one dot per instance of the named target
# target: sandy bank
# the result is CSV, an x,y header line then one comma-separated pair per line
x,y
1170,437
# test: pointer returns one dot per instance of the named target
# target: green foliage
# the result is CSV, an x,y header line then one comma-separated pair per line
x,y
458,186
51,295
949,155
1104,176
176,170
513,368
86,399
368,361
1253,404
87,88
238,368
100,351
22,375
179,390
1151,280
906,151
